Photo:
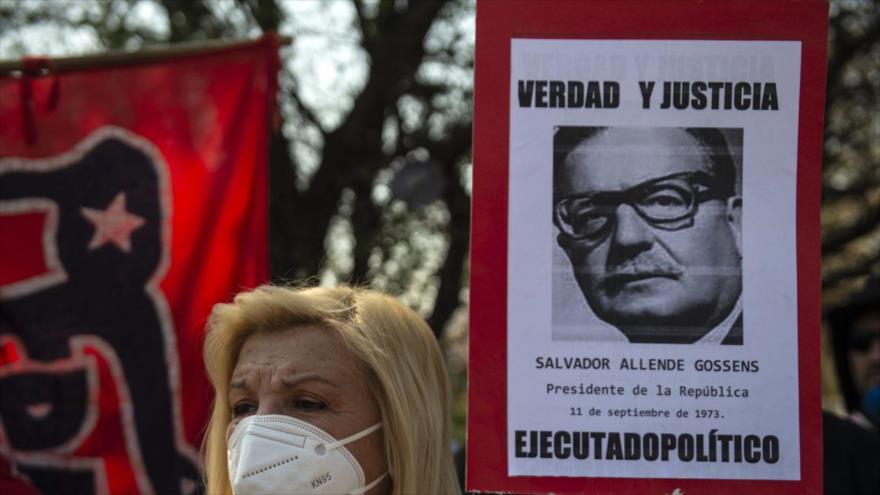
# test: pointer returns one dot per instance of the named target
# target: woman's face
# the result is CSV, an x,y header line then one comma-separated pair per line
x,y
307,372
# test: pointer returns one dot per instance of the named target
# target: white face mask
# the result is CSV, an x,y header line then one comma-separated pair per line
x,y
280,455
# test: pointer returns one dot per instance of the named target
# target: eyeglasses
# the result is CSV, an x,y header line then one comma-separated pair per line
x,y
862,341
668,203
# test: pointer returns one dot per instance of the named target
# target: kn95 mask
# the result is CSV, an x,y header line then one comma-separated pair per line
x,y
276,454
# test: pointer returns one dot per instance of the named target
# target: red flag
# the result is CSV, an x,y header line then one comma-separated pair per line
x,y
132,199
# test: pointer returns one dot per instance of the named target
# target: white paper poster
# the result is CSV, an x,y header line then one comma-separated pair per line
x,y
652,281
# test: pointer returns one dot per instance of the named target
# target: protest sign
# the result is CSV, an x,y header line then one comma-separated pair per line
x,y
644,311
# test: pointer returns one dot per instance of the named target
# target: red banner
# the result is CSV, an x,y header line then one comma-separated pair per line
x,y
132,199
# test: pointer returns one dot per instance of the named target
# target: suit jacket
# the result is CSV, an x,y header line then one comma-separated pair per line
x,y
735,335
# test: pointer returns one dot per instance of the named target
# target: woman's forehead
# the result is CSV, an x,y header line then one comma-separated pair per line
x,y
302,349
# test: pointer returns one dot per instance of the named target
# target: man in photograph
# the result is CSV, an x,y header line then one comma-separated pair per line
x,y
650,219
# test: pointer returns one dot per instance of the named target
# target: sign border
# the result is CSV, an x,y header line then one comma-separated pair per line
x,y
498,22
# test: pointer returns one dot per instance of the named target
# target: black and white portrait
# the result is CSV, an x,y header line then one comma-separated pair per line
x,y
650,223
649,247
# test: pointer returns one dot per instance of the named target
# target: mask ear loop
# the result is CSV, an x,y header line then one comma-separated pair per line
x,y
322,449
370,486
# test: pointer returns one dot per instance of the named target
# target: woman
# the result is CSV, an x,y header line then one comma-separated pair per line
x,y
325,390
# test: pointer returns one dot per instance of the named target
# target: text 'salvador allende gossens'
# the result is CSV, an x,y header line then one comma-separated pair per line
x,y
647,364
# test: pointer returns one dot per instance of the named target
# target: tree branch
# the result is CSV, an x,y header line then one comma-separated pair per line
x,y
858,269
306,112
363,24
450,153
869,209
354,148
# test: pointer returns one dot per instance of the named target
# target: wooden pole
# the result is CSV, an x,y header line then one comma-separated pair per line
x,y
122,58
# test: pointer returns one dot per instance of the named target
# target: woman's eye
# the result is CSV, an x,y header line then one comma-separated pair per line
x,y
243,409
309,405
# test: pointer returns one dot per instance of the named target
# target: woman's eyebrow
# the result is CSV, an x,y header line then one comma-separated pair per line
x,y
240,383
287,381
291,381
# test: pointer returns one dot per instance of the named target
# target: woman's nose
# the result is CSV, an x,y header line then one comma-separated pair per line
x,y
270,406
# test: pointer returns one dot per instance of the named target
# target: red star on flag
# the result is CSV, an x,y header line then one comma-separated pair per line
x,y
113,224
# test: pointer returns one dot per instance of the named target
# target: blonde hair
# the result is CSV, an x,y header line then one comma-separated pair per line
x,y
407,374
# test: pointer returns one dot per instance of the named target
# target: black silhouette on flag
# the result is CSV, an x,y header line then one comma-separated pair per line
x,y
107,201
